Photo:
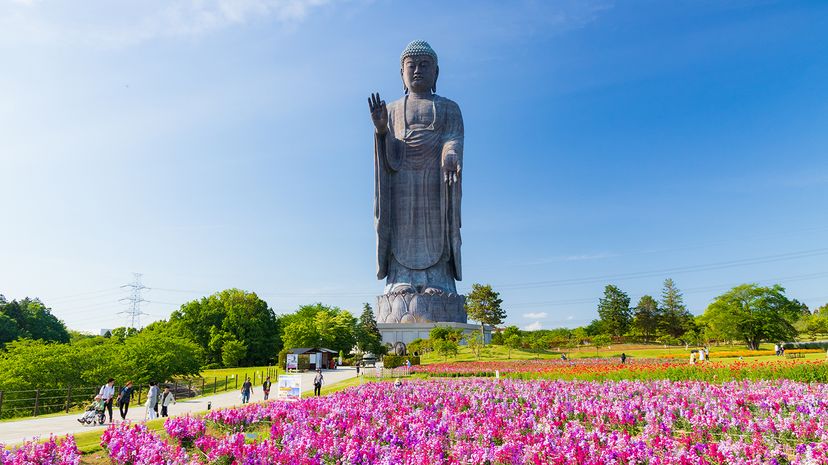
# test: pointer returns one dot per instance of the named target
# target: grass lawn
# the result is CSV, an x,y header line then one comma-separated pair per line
x,y
241,372
225,379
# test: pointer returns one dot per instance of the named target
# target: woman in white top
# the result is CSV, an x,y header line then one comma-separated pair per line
x,y
152,401
107,394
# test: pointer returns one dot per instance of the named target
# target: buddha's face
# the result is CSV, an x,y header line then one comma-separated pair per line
x,y
419,73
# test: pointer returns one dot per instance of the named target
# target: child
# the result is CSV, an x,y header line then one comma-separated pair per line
x,y
166,399
266,388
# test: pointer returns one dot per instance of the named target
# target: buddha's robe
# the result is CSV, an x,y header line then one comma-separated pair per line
x,y
416,213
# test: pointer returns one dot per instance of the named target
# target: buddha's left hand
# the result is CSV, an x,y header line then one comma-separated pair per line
x,y
451,168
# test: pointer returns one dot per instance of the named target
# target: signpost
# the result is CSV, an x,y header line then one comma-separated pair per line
x,y
289,387
292,362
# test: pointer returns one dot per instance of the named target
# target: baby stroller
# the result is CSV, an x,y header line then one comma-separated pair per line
x,y
95,413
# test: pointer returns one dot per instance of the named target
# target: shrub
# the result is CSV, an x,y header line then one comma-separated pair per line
x,y
806,345
283,357
394,361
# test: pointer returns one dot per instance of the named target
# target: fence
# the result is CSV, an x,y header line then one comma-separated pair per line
x,y
42,401
387,373
34,402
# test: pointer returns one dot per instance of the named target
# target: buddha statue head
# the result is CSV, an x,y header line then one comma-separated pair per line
x,y
418,68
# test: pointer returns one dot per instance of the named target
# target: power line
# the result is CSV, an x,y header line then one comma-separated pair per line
x,y
84,295
669,271
681,248
689,290
134,312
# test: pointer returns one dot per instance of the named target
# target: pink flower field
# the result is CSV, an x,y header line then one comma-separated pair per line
x,y
486,421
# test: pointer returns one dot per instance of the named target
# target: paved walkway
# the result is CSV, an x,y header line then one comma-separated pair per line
x,y
12,432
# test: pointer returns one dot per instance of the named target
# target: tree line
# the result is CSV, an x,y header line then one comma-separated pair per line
x,y
749,313
227,329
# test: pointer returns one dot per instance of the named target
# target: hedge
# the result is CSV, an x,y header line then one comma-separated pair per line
x,y
806,345
394,361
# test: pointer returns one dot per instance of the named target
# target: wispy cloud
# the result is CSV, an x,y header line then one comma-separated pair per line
x,y
533,326
114,24
573,258
535,316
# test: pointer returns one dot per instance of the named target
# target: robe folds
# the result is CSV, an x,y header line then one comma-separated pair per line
x,y
416,213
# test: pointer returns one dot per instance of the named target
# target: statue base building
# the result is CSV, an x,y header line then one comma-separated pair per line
x,y
412,307
403,317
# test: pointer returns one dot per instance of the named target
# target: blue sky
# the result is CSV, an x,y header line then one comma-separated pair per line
x,y
218,144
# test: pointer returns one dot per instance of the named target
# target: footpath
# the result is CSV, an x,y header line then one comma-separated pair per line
x,y
12,432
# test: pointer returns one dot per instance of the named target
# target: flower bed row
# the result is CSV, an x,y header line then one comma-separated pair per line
x,y
640,369
51,452
486,421
483,421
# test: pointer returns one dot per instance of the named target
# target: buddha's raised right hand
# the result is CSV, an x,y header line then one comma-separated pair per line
x,y
379,113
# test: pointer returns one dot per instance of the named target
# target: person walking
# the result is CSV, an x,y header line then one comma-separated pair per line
x,y
317,383
107,394
167,398
124,398
152,401
246,390
266,387
357,367
623,358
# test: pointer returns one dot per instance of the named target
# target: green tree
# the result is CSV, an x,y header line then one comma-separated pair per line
x,y
558,337
446,347
579,335
614,310
474,341
368,337
484,305
675,320
753,314
538,341
419,346
600,341
153,354
157,352
511,331
9,331
121,333
668,340
33,320
319,325
812,325
232,351
230,313
646,318
594,328
445,333
512,342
